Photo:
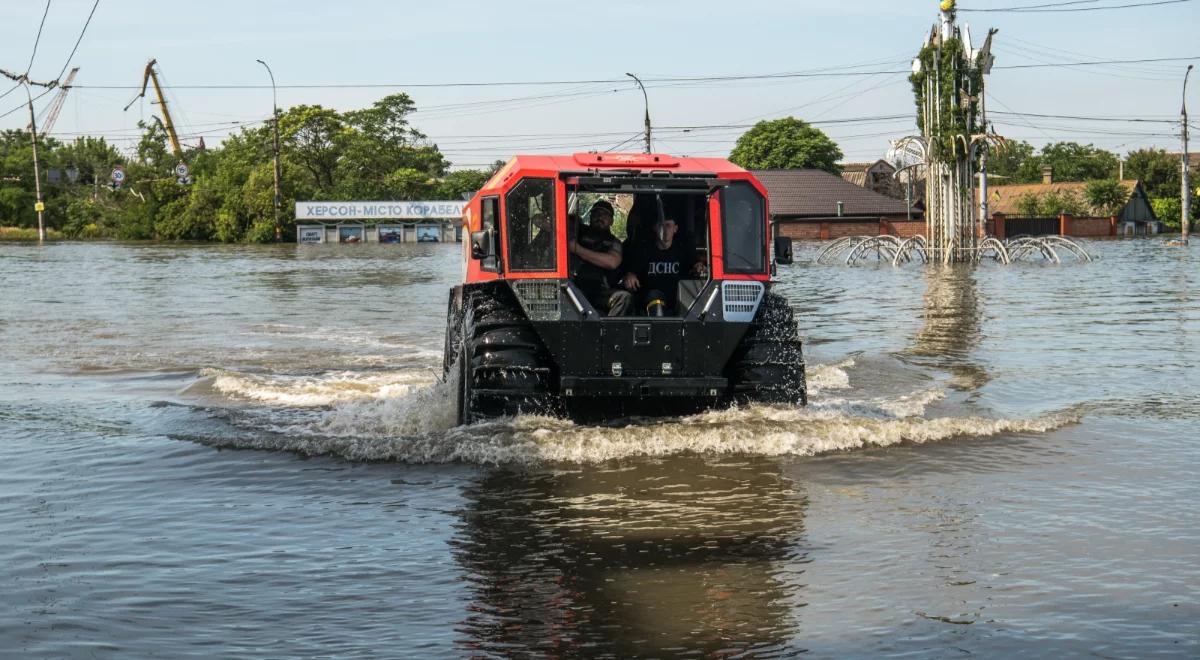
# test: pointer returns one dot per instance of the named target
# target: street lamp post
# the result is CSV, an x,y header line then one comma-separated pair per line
x,y
275,126
37,174
647,100
1186,197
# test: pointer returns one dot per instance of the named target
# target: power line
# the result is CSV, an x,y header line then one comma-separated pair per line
x,y
1082,118
1025,7
685,79
79,40
1061,7
38,39
1096,63
22,106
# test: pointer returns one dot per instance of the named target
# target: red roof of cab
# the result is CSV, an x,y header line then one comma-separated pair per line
x,y
586,161
591,161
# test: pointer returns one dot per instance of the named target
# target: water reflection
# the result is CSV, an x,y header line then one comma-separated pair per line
x,y
950,331
692,556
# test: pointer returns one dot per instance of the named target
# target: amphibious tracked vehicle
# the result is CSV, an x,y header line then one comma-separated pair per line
x,y
526,334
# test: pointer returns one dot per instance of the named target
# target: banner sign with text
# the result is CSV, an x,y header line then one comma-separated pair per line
x,y
358,211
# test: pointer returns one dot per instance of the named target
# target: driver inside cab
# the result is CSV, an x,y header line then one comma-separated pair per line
x,y
599,254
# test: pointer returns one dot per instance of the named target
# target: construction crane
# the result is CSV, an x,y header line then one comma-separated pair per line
x,y
152,76
56,106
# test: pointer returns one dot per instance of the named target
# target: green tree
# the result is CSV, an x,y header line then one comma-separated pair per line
x,y
461,182
380,147
1158,171
368,153
1071,161
1012,162
787,143
1029,204
1051,203
1106,196
1058,202
313,137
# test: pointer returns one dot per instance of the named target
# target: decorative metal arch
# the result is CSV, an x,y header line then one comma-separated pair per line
x,y
915,244
997,249
1073,247
885,246
1046,245
835,248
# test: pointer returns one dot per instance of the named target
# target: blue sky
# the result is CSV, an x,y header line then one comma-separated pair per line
x,y
375,42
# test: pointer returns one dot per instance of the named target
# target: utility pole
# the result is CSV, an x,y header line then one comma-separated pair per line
x,y
1186,220
983,159
278,173
40,207
647,100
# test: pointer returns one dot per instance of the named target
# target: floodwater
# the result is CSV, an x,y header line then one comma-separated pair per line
x,y
244,451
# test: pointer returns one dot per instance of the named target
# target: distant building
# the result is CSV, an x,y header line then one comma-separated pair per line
x,y
379,222
1136,217
814,204
878,176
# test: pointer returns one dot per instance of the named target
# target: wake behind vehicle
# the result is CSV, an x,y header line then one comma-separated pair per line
x,y
525,333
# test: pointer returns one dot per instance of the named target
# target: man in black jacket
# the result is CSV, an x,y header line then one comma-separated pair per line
x,y
654,272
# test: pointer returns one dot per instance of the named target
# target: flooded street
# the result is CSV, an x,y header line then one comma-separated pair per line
x,y
245,451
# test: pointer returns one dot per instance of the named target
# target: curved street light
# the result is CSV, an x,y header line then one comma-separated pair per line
x,y
647,100
275,125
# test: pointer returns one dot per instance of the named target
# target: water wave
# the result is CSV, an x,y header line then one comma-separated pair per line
x,y
409,416
763,431
317,390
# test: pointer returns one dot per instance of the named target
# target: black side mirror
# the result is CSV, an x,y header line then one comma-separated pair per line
x,y
783,250
481,244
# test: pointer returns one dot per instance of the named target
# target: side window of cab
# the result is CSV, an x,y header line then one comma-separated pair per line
x,y
489,221
531,226
743,226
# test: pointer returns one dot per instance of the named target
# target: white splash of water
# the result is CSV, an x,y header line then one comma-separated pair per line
x,y
411,417
765,431
321,390
825,377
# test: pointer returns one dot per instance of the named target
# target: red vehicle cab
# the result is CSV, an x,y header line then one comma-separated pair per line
x,y
529,329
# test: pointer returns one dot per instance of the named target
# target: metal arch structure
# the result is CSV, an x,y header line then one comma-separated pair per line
x,y
949,82
906,249
839,245
1024,246
891,248
1071,246
996,247
1020,248
885,246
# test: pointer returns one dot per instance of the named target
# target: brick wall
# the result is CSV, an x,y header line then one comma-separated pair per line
x,y
903,228
843,229
1075,226
832,229
800,231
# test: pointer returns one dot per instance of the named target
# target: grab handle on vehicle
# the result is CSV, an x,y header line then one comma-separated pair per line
x,y
575,301
712,297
